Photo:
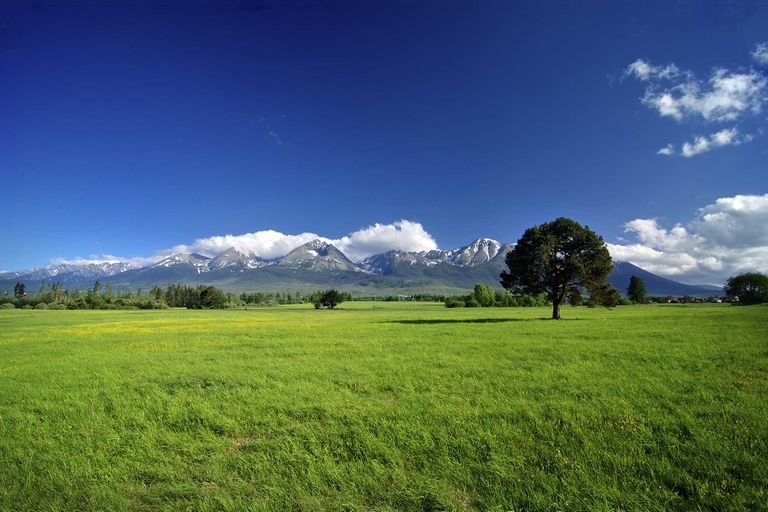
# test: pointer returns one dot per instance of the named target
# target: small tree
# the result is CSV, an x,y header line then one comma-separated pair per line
x,y
212,298
604,295
557,258
484,295
20,290
749,288
330,299
636,291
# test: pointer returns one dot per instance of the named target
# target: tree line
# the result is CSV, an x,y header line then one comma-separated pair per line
x,y
54,296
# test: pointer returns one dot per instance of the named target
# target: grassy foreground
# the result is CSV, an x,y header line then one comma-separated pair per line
x,y
385,406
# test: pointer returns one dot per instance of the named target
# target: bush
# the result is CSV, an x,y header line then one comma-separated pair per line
x,y
27,306
452,302
484,295
8,305
41,305
56,306
472,303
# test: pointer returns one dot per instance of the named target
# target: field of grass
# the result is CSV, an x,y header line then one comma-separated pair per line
x,y
385,406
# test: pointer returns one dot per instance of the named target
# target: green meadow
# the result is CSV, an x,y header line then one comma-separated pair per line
x,y
385,406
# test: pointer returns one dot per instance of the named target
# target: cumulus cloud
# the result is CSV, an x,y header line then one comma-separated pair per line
x,y
702,144
726,237
402,235
726,96
265,244
760,54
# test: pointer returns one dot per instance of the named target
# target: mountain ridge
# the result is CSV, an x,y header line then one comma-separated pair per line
x,y
319,264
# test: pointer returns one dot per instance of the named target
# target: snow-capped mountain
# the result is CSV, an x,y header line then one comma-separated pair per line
x,y
479,251
236,260
320,256
318,264
69,272
194,260
386,262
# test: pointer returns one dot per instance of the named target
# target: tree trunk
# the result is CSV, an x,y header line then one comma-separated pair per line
x,y
555,310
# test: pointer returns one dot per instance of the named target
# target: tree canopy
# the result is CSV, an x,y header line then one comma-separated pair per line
x,y
330,299
636,291
748,288
558,258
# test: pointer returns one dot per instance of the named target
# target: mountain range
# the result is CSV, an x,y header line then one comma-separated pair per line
x,y
319,264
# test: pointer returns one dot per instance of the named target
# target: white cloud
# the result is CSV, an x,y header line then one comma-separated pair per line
x,y
265,244
401,235
646,71
726,237
727,137
702,144
725,97
761,54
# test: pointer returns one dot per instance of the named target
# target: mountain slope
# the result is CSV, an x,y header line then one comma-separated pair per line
x,y
68,272
235,260
318,256
656,285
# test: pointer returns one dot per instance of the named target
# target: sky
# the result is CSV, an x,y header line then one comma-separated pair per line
x,y
129,130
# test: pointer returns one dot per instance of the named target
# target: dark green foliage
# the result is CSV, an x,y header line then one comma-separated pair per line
x,y
748,288
501,299
453,302
272,298
330,299
19,290
575,298
636,291
604,295
557,258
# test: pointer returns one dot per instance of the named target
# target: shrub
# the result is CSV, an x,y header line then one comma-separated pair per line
x,y
8,305
472,303
452,302
484,295
41,305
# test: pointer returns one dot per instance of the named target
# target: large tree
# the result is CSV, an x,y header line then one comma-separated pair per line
x,y
558,258
749,288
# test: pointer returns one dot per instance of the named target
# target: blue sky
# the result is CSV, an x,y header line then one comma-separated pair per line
x,y
130,129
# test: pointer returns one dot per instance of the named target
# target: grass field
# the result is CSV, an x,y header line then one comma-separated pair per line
x,y
385,406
